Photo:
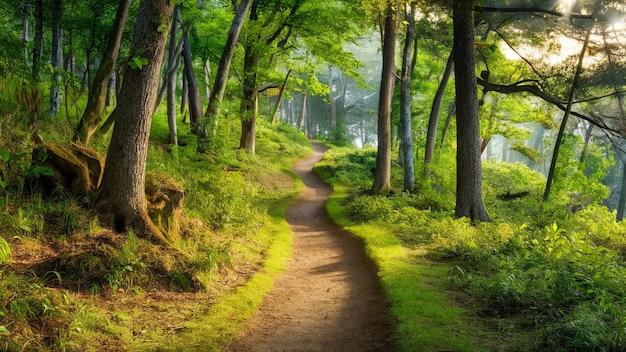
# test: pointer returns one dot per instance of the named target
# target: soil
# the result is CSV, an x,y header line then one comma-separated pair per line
x,y
329,297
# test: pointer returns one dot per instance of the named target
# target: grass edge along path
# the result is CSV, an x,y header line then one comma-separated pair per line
x,y
229,314
425,318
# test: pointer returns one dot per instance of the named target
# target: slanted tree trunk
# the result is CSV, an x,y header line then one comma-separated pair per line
x,y
57,56
217,93
568,110
96,100
435,111
469,191
123,199
279,100
382,180
406,126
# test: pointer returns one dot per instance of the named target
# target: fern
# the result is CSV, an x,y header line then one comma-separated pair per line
x,y
5,251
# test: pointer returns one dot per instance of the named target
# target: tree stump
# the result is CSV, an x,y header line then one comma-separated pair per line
x,y
76,168
165,204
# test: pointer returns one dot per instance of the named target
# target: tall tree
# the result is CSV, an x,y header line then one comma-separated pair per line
x,y
123,184
96,100
38,45
406,126
193,93
217,93
173,62
433,121
469,190
382,177
568,110
57,56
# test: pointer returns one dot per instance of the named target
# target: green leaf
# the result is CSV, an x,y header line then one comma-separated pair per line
x,y
5,155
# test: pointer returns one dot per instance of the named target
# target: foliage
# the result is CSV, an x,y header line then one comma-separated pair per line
x,y
5,251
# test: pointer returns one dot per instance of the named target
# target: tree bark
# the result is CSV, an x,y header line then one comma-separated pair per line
x,y
96,100
38,48
382,181
173,62
217,93
57,56
406,126
302,123
195,102
433,122
469,191
249,101
123,184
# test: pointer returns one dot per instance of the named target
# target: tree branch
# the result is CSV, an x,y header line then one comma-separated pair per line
x,y
536,91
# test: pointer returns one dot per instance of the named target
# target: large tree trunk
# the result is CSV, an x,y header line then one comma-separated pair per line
x,y
435,111
96,101
469,191
123,183
406,126
382,181
217,93
57,56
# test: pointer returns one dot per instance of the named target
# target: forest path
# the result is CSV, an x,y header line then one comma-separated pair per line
x,y
328,298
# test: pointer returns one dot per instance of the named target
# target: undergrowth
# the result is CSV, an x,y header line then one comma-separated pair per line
x,y
67,284
549,276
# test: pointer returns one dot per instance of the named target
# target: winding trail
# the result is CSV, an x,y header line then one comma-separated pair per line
x,y
328,298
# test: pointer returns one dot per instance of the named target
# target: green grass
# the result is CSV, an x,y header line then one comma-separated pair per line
x,y
415,287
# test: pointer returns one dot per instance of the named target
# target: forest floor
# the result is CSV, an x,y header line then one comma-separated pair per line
x,y
329,297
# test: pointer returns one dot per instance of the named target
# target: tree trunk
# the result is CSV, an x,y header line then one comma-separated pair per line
x,y
195,101
173,62
57,56
38,48
331,99
406,126
469,191
382,181
123,183
249,101
217,93
96,100
622,196
280,98
433,122
25,36
301,124
568,110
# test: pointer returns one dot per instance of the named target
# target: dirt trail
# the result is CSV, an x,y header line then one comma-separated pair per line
x,y
329,298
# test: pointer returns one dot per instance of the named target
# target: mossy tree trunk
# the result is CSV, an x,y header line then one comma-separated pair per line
x,y
469,190
96,100
382,181
123,200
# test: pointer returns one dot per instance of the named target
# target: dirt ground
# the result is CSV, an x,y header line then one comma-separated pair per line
x,y
329,298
